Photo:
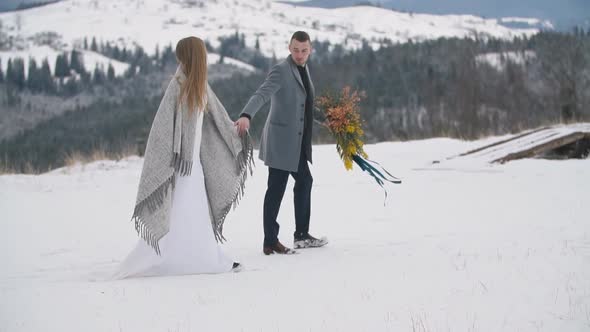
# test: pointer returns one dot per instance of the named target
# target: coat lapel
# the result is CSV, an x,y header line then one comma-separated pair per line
x,y
295,72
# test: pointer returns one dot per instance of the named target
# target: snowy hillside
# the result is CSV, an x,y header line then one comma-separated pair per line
x,y
160,22
91,59
466,246
39,53
499,60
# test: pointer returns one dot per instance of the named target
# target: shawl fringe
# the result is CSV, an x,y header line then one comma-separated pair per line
x,y
153,202
155,199
245,162
145,234
181,166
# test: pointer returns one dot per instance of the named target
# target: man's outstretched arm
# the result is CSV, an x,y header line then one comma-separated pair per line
x,y
269,87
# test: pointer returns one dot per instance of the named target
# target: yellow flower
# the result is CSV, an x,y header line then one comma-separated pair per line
x,y
348,164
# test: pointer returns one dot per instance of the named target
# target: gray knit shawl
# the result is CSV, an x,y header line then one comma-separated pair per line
x,y
225,158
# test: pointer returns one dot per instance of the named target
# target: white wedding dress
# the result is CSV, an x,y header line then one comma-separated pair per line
x,y
189,247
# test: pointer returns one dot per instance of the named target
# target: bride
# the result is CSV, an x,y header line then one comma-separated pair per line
x,y
194,171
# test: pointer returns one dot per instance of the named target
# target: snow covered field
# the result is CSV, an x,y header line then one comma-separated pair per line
x,y
458,247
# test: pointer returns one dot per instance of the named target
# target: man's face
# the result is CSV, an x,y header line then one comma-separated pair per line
x,y
300,51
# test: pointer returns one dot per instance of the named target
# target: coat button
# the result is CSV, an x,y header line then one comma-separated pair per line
x,y
299,133
302,105
301,119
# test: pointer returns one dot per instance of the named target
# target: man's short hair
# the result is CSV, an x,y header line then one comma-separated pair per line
x,y
301,36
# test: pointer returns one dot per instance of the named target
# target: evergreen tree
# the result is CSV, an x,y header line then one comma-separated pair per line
x,y
130,72
85,79
1,73
98,76
9,78
93,46
76,62
46,80
116,53
139,53
145,65
124,55
168,56
18,73
111,73
62,68
33,80
258,60
85,43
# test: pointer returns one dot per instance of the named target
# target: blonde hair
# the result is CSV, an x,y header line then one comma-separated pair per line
x,y
192,54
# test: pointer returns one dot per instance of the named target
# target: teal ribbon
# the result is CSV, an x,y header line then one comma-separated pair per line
x,y
379,176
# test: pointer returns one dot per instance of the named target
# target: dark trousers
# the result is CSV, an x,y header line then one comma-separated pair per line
x,y
277,182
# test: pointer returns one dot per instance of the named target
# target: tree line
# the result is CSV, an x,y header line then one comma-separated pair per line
x,y
446,87
71,76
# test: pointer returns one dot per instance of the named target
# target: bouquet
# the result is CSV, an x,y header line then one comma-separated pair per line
x,y
340,114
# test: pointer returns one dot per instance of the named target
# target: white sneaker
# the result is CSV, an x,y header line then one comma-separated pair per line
x,y
309,241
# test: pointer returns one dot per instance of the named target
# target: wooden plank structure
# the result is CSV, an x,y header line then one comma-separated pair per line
x,y
534,143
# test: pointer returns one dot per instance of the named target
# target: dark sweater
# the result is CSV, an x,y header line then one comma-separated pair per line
x,y
308,118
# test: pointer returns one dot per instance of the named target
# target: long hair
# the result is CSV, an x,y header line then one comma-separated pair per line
x,y
192,54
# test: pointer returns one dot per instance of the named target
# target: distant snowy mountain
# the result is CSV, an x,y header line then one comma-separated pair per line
x,y
149,23
563,14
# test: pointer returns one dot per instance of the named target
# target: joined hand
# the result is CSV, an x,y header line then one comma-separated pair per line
x,y
243,125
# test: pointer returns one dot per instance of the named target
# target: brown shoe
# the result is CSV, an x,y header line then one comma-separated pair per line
x,y
278,248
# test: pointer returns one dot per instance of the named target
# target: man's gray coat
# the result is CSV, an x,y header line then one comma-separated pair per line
x,y
280,143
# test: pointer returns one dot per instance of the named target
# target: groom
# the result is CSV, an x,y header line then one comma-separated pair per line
x,y
285,145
